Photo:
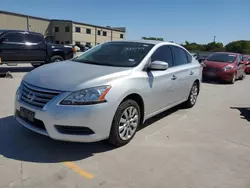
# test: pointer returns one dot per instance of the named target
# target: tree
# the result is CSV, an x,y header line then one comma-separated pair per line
x,y
241,46
152,38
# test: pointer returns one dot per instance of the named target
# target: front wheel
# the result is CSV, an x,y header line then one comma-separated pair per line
x,y
192,96
125,123
233,79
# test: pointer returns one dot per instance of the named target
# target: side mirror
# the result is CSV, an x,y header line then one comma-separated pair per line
x,y
3,40
158,65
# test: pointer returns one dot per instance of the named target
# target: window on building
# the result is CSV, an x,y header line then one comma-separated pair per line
x,y
67,29
99,32
56,29
88,31
67,42
57,42
180,56
15,37
163,53
77,43
104,33
77,29
33,38
121,36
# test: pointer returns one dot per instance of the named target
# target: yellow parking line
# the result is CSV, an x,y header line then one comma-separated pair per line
x,y
78,170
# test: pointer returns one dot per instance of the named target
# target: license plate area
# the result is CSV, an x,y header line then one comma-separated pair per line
x,y
27,114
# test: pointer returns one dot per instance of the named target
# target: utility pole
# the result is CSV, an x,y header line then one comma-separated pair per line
x,y
214,38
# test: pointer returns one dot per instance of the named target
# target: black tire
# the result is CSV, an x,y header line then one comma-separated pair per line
x,y
56,58
114,137
190,103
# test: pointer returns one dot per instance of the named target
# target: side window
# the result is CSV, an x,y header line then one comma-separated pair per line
x,y
189,57
33,38
163,53
14,37
180,56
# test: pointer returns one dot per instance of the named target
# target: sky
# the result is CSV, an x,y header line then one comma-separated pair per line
x,y
174,20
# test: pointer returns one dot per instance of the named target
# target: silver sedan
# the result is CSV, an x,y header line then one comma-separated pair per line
x,y
108,91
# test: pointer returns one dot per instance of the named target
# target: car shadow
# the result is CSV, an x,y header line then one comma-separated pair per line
x,y
244,112
19,143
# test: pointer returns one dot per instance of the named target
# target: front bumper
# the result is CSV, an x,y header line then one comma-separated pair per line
x,y
97,118
247,69
221,75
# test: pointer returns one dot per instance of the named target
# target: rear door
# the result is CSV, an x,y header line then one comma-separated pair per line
x,y
184,72
12,48
35,47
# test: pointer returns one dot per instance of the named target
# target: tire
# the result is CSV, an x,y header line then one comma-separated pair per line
x,y
233,79
56,58
243,76
124,124
192,98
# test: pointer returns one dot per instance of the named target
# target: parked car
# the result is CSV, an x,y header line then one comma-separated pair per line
x,y
246,60
224,66
30,47
108,91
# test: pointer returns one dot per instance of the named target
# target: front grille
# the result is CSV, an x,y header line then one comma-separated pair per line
x,y
36,96
210,69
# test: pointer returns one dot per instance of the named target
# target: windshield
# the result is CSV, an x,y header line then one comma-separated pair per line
x,y
246,58
220,57
119,54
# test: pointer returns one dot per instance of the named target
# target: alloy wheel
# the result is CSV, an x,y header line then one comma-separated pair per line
x,y
128,123
194,94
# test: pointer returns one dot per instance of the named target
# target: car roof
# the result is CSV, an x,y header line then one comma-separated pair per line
x,y
12,30
232,53
144,41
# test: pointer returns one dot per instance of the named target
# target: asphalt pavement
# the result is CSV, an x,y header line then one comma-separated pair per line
x,y
207,146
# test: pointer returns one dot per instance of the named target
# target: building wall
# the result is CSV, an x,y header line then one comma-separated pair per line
x,y
83,37
8,21
40,26
62,36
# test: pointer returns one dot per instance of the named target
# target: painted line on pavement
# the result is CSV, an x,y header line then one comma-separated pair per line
x,y
78,170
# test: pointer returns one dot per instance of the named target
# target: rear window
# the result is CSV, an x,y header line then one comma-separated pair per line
x,y
223,58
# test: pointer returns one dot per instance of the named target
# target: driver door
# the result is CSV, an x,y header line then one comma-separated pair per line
x,y
162,84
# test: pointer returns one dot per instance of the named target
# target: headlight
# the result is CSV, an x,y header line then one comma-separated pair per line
x,y
227,68
87,96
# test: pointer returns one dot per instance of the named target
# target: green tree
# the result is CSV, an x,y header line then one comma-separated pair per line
x,y
241,46
152,38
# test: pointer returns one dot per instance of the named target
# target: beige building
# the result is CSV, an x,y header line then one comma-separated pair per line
x,y
62,31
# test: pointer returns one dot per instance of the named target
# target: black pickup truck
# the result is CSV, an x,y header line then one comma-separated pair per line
x,y
18,47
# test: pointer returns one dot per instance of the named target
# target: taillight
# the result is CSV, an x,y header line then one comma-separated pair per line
x,y
74,50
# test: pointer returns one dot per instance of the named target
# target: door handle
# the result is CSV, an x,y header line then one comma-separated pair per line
x,y
191,73
173,77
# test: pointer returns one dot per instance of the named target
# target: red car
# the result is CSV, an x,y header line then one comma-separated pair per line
x,y
246,60
224,66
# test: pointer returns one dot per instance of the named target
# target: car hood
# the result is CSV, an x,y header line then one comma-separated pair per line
x,y
72,76
216,64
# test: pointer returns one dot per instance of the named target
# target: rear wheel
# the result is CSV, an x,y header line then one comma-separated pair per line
x,y
125,123
192,96
56,58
